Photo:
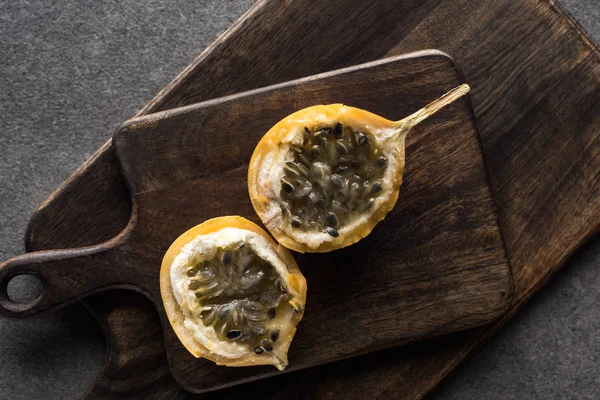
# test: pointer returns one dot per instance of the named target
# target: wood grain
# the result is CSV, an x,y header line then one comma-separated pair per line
x,y
437,264
517,54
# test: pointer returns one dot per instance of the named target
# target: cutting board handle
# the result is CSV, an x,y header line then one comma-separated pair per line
x,y
66,275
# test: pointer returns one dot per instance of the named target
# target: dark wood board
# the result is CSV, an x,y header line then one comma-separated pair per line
x,y
437,264
523,57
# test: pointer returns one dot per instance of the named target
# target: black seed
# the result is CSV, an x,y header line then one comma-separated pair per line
x,y
381,162
234,334
266,346
331,219
361,138
341,148
191,272
258,350
376,188
226,257
337,180
286,186
271,313
369,204
332,232
315,152
296,223
274,335
337,130
342,168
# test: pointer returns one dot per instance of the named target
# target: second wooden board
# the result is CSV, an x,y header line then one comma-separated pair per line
x,y
435,265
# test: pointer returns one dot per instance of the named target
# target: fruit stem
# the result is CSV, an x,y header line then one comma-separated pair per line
x,y
406,124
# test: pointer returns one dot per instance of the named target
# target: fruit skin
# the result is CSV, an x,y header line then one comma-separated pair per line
x,y
176,316
270,143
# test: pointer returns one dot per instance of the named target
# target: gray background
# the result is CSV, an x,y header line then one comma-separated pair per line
x,y
73,70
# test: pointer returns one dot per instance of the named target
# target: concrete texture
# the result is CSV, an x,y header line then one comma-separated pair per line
x,y
72,71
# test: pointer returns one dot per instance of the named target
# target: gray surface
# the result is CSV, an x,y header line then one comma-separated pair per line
x,y
71,71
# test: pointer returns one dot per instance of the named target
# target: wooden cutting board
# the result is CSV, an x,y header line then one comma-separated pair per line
x,y
536,77
437,263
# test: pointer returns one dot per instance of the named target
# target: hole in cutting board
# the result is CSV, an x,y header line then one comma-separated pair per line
x,y
25,288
